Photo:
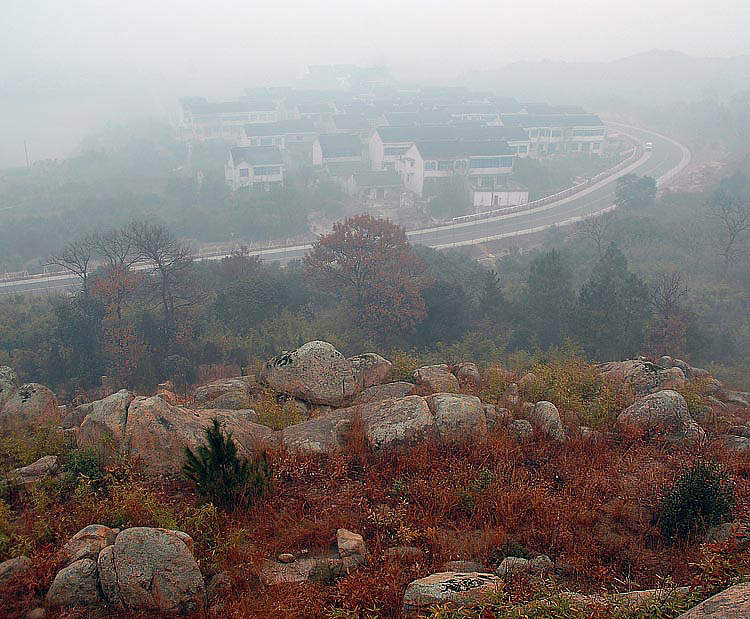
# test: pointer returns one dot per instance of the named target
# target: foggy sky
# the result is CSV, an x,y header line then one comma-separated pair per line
x,y
139,54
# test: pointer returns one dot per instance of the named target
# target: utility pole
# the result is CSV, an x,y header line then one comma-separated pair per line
x,y
26,151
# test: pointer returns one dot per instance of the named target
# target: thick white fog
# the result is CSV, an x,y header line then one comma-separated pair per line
x,y
67,67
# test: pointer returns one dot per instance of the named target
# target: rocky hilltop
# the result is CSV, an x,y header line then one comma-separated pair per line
x,y
365,405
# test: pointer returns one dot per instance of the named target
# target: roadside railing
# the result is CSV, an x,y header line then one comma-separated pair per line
x,y
555,197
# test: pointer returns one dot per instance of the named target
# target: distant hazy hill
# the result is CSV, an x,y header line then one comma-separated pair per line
x,y
656,77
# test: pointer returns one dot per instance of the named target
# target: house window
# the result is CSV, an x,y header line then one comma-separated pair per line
x,y
595,146
487,162
445,166
523,148
557,133
244,172
429,166
533,133
253,141
298,138
461,164
266,141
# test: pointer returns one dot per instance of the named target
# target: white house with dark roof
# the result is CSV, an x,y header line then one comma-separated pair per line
x,y
498,193
560,133
283,134
388,144
204,120
258,167
334,147
373,187
426,165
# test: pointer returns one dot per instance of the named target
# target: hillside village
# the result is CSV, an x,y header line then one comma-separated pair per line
x,y
386,146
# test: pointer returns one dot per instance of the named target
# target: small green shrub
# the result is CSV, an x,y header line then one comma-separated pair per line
x,y
221,476
83,465
701,497
403,367
509,548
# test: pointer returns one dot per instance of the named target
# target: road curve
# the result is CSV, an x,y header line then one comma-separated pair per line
x,y
667,159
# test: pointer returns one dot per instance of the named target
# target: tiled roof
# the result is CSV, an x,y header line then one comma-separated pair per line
x,y
257,155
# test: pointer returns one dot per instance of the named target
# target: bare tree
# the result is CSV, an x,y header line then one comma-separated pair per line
x,y
732,216
597,228
76,258
118,248
170,260
665,291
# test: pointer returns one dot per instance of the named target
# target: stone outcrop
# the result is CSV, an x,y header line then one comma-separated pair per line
x,y
547,417
733,603
520,430
388,391
370,369
103,427
8,384
663,414
29,475
468,375
30,407
157,433
225,393
444,587
76,585
318,435
642,376
315,372
152,570
458,418
14,567
87,543
435,379
495,417
397,422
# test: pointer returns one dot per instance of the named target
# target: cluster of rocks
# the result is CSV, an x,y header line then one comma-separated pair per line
x,y
346,554
138,569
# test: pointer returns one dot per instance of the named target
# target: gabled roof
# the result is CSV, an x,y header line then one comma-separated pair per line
x,y
463,148
471,108
491,132
346,168
229,107
282,127
386,178
340,145
351,122
427,117
414,133
257,155
552,120
475,132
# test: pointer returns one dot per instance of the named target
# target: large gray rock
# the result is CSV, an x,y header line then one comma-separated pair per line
x,y
157,433
642,376
663,414
496,417
8,384
320,434
14,567
87,543
370,369
32,406
458,418
547,417
388,391
445,587
225,393
520,430
436,379
397,422
75,586
315,372
733,603
29,475
468,375
152,570
103,427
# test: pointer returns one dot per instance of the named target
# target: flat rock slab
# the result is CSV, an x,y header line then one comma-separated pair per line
x,y
733,603
449,587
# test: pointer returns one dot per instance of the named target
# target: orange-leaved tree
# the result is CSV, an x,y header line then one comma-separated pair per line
x,y
370,263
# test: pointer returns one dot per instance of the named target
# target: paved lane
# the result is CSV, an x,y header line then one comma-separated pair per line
x,y
666,158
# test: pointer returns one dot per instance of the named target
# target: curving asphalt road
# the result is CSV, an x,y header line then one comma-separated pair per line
x,y
667,158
